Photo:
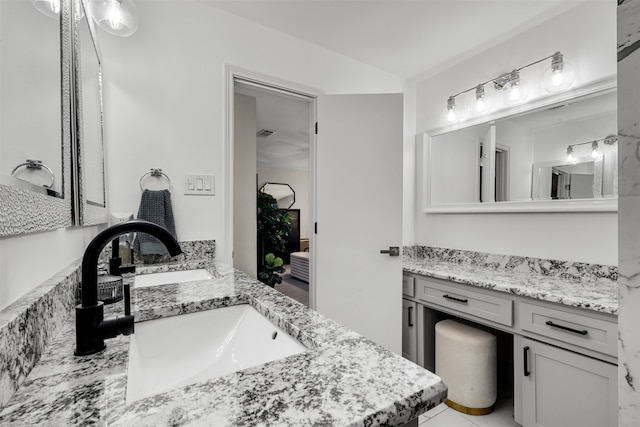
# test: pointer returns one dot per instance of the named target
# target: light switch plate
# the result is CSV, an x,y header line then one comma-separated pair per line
x,y
199,184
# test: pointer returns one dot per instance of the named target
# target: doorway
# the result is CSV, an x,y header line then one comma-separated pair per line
x,y
275,155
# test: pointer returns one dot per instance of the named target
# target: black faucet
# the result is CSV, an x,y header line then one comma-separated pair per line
x,y
91,328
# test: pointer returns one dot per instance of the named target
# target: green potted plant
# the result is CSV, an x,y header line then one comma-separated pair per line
x,y
270,274
274,226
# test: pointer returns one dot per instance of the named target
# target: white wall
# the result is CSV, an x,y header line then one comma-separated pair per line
x,y
299,181
164,96
586,35
28,260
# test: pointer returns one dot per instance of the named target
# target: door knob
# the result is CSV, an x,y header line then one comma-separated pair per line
x,y
392,251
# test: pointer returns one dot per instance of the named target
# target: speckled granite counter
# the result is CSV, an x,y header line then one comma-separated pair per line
x,y
343,378
588,286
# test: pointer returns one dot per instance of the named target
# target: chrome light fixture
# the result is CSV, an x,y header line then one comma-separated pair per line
x,y
595,147
514,90
482,103
559,76
50,8
451,115
117,17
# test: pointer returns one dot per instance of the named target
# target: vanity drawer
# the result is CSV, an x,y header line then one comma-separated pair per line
x,y
595,334
408,286
488,307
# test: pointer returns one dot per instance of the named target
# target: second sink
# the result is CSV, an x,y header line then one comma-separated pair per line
x,y
163,278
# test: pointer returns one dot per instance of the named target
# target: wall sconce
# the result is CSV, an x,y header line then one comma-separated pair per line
x,y
117,17
514,90
595,147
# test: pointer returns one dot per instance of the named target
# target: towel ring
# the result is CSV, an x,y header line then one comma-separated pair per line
x,y
157,173
37,165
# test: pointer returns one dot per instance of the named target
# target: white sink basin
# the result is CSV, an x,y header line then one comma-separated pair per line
x,y
180,350
155,279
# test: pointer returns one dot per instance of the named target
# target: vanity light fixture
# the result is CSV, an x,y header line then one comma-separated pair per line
x,y
117,17
514,90
570,158
595,147
482,103
451,115
559,76
50,8
595,153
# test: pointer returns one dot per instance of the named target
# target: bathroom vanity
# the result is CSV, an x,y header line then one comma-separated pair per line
x,y
341,378
562,324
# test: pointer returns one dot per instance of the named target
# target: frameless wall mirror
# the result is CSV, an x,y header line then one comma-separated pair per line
x,y
90,182
283,193
35,117
561,157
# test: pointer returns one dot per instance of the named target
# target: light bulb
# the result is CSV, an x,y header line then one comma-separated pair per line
x,y
570,158
482,102
52,5
114,16
50,8
595,153
451,114
516,91
559,76
117,17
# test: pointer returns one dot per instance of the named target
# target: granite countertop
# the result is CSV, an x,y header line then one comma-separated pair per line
x,y
343,379
594,293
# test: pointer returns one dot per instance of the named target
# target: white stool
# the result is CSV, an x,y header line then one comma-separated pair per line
x,y
466,362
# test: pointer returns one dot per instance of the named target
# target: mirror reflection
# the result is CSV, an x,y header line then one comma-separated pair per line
x,y
89,118
30,109
565,151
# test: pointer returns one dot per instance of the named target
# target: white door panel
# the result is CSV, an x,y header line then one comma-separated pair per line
x,y
359,213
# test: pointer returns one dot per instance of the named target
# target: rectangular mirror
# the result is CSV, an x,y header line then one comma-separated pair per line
x,y
90,183
522,162
35,110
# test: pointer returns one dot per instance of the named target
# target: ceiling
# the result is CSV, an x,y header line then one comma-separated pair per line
x,y
410,39
406,38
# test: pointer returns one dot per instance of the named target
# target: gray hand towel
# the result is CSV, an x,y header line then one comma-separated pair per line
x,y
155,206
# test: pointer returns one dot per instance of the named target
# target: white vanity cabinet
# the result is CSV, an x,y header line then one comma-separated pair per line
x,y
564,357
561,388
409,330
409,321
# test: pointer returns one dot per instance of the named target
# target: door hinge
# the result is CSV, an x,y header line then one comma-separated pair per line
x,y
316,128
315,227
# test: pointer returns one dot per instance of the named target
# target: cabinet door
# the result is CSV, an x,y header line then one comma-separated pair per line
x,y
409,331
562,389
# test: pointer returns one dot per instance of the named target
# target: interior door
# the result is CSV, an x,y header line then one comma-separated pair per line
x,y
359,213
244,182
488,162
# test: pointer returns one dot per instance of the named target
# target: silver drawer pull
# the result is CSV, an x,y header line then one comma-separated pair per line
x,y
566,328
460,300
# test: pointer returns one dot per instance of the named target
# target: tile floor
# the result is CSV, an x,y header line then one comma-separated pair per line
x,y
443,416
293,288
